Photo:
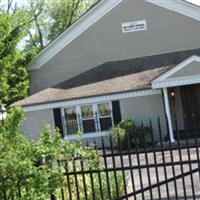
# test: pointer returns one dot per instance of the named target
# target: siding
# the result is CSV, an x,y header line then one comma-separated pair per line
x,y
104,41
141,109
35,122
189,70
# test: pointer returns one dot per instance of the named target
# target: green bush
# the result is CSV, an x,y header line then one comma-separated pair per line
x,y
119,133
96,190
38,167
137,135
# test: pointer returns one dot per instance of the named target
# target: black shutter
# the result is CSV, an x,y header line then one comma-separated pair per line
x,y
58,120
116,112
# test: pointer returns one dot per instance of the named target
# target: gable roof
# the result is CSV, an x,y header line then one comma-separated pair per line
x,y
96,13
178,67
119,68
132,82
180,6
111,77
166,79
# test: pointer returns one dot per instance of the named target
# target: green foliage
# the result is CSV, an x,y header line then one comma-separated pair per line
x,y
121,130
24,32
54,18
64,12
19,156
137,135
39,167
14,78
96,188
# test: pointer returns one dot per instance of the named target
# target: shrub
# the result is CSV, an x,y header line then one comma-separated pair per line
x,y
137,135
96,189
38,168
119,133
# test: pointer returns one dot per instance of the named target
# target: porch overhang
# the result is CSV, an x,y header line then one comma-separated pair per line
x,y
185,73
178,75
174,82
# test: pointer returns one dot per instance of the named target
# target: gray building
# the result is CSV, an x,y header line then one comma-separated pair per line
x,y
122,59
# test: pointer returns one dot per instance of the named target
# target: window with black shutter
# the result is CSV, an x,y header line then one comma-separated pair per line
x,y
116,112
71,120
105,116
58,120
88,118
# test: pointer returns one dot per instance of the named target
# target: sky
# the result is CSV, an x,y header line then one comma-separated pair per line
x,y
197,2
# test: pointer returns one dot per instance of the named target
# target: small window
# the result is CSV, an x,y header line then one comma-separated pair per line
x,y
105,117
71,120
88,119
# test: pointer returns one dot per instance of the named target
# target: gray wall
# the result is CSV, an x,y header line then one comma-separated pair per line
x,y
191,69
141,109
35,122
104,41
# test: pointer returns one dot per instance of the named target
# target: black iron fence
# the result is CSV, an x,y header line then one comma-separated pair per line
x,y
131,168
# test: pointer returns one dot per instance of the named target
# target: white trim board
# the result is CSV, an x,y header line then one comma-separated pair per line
x,y
88,135
179,81
91,17
165,81
179,6
105,98
96,13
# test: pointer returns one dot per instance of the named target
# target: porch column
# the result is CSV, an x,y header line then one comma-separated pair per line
x,y
168,113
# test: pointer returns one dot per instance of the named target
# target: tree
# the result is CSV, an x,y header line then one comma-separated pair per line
x,y
10,58
56,17
37,167
64,12
14,25
24,32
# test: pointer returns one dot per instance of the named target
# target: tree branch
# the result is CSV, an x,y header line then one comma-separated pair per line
x,y
32,39
39,33
75,6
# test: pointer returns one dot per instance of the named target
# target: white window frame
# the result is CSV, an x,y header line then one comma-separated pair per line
x,y
64,120
98,132
110,104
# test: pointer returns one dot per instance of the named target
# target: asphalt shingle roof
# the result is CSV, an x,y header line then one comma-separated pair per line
x,y
111,77
135,81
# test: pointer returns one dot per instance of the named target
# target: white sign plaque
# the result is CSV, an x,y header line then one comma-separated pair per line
x,y
134,26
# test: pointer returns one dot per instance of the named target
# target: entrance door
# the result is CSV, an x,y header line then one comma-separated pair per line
x,y
191,106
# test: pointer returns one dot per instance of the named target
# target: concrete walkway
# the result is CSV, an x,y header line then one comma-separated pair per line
x,y
161,171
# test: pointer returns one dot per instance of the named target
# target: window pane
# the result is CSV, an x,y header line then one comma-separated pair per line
x,y
87,112
88,119
89,126
71,121
70,113
104,109
106,123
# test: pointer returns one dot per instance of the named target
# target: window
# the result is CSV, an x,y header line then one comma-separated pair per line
x,y
88,119
71,120
105,117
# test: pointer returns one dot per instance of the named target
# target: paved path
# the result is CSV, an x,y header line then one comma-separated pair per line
x,y
171,185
